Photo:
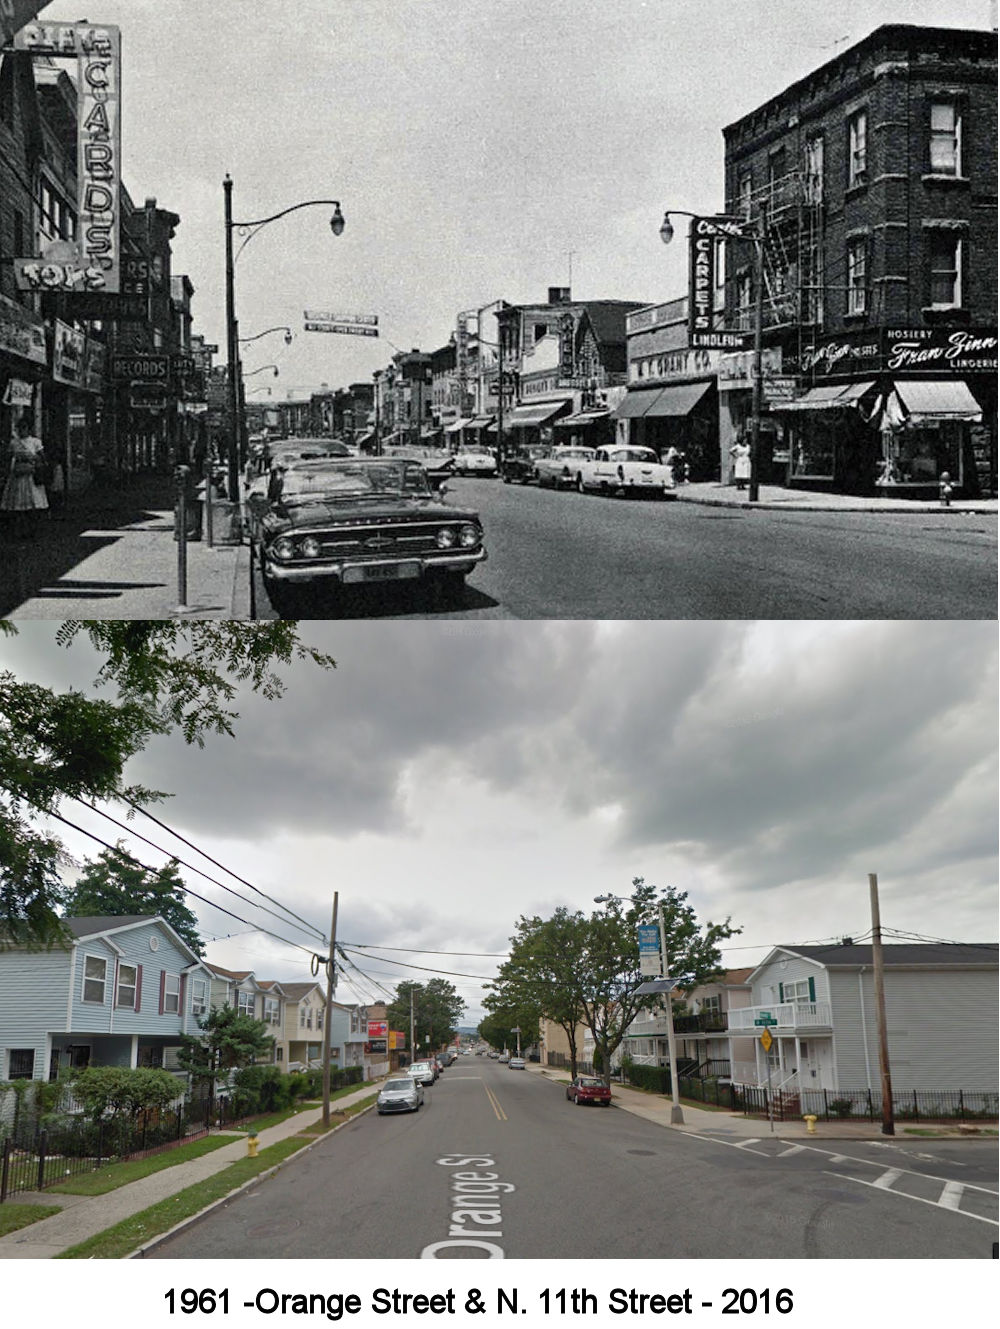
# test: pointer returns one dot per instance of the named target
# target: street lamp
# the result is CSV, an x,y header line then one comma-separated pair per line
x,y
261,370
248,229
287,331
676,1111
740,228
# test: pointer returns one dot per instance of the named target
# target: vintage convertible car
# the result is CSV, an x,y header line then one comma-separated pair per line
x,y
362,520
475,460
520,464
623,471
561,466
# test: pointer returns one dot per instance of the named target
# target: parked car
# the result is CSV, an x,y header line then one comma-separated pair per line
x,y
519,465
475,460
422,1071
588,1089
504,1056
402,1093
437,463
516,1064
624,470
363,520
561,467
267,462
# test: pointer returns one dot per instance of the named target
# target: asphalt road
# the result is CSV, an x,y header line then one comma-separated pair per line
x,y
569,556
502,1156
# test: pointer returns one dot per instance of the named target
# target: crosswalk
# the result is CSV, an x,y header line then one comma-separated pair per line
x,y
971,1201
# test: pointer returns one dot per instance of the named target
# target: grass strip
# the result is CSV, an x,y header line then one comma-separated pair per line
x,y
120,1240
109,1178
15,1216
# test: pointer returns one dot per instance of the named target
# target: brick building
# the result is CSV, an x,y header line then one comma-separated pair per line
x,y
874,183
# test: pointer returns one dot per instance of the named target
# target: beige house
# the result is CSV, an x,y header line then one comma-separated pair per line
x,y
702,1034
296,1011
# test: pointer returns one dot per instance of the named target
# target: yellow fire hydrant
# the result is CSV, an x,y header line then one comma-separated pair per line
x,y
252,1143
810,1122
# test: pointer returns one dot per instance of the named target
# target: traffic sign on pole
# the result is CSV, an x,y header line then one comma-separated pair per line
x,y
766,1040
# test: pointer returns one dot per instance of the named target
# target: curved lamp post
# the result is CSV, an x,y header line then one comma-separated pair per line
x,y
261,370
287,331
248,229
676,1111
740,228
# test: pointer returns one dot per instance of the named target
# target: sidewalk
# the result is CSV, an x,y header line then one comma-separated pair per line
x,y
778,499
84,1216
112,554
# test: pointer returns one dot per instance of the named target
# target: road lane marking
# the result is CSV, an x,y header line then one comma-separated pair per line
x,y
792,1149
884,1182
495,1104
951,1196
919,1198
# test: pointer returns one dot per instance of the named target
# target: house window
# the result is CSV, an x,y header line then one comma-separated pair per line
x,y
798,992
22,1064
150,1058
244,1003
814,171
302,1017
945,139
711,1004
857,149
946,269
127,976
279,1052
744,300
95,972
319,1020
199,996
309,1017
272,1010
541,330
857,275
745,191
171,994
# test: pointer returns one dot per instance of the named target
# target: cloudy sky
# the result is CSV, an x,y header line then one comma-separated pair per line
x,y
474,145
445,779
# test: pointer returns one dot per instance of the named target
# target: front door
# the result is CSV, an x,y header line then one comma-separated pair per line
x,y
809,1064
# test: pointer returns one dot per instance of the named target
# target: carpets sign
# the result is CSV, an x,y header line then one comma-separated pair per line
x,y
701,292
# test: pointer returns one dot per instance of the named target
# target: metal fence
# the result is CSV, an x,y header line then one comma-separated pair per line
x,y
33,1157
562,1062
931,1105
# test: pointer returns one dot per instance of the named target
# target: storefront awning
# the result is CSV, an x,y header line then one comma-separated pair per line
x,y
679,399
937,399
525,417
636,404
582,418
458,426
479,422
829,397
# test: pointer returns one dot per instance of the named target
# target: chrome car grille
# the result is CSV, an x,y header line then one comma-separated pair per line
x,y
383,540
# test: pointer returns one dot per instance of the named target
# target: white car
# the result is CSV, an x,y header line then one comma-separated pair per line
x,y
561,466
622,470
475,461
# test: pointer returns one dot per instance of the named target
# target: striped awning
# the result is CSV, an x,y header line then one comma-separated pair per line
x,y
937,399
828,397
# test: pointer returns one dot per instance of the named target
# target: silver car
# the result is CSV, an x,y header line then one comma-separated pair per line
x,y
400,1094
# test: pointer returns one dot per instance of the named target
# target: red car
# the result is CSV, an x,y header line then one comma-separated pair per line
x,y
588,1089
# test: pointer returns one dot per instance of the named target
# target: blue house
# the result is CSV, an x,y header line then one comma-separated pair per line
x,y
120,994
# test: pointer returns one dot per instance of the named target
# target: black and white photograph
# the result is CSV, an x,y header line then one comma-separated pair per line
x,y
498,660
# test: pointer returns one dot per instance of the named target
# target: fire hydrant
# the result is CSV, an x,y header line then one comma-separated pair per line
x,y
945,489
810,1122
252,1142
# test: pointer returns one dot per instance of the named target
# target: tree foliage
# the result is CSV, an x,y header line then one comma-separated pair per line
x,y
56,745
124,1090
112,884
437,1009
229,1041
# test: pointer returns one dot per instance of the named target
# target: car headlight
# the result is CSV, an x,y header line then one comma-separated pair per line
x,y
469,536
283,548
310,547
445,538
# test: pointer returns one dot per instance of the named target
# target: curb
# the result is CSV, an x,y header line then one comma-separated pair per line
x,y
239,604
184,1223
915,511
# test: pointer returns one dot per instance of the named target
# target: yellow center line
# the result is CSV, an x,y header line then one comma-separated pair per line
x,y
495,1104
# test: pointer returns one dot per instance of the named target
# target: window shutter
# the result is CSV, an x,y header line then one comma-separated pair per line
x,y
163,987
781,992
138,987
812,989
114,990
181,996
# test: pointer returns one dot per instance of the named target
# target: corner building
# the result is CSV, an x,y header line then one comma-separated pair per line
x,y
873,182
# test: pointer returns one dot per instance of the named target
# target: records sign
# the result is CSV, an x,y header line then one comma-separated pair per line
x,y
701,292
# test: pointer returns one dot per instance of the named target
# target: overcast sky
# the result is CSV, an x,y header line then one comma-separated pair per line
x,y
445,779
473,145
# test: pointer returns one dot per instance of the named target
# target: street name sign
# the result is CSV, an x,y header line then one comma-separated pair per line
x,y
351,329
765,1018
323,316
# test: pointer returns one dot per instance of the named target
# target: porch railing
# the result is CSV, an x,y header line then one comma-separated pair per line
x,y
789,1015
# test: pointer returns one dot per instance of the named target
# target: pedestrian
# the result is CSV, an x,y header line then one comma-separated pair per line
x,y
24,493
740,453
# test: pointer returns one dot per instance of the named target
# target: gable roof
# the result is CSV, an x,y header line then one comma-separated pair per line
x,y
736,977
238,975
906,955
296,991
607,318
94,925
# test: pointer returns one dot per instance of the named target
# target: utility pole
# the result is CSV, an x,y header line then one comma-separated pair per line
x,y
331,983
888,1125
676,1111
413,1050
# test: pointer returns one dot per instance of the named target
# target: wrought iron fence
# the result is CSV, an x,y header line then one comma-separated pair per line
x,y
931,1105
562,1062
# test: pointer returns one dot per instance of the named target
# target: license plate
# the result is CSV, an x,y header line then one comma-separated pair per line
x,y
382,572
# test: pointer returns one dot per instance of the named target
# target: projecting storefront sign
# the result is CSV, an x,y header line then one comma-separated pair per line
x,y
67,355
14,14
97,265
378,1028
143,367
21,333
701,292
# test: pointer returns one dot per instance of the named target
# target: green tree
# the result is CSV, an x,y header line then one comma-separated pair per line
x,y
123,1090
110,884
542,974
609,975
437,1009
229,1041
55,745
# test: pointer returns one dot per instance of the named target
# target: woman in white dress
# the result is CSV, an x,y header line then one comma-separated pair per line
x,y
24,493
740,453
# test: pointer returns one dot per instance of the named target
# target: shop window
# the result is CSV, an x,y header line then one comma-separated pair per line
x,y
919,456
945,148
945,269
857,275
814,450
857,149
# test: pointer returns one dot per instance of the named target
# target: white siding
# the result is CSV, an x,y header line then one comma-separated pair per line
x,y
32,1003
